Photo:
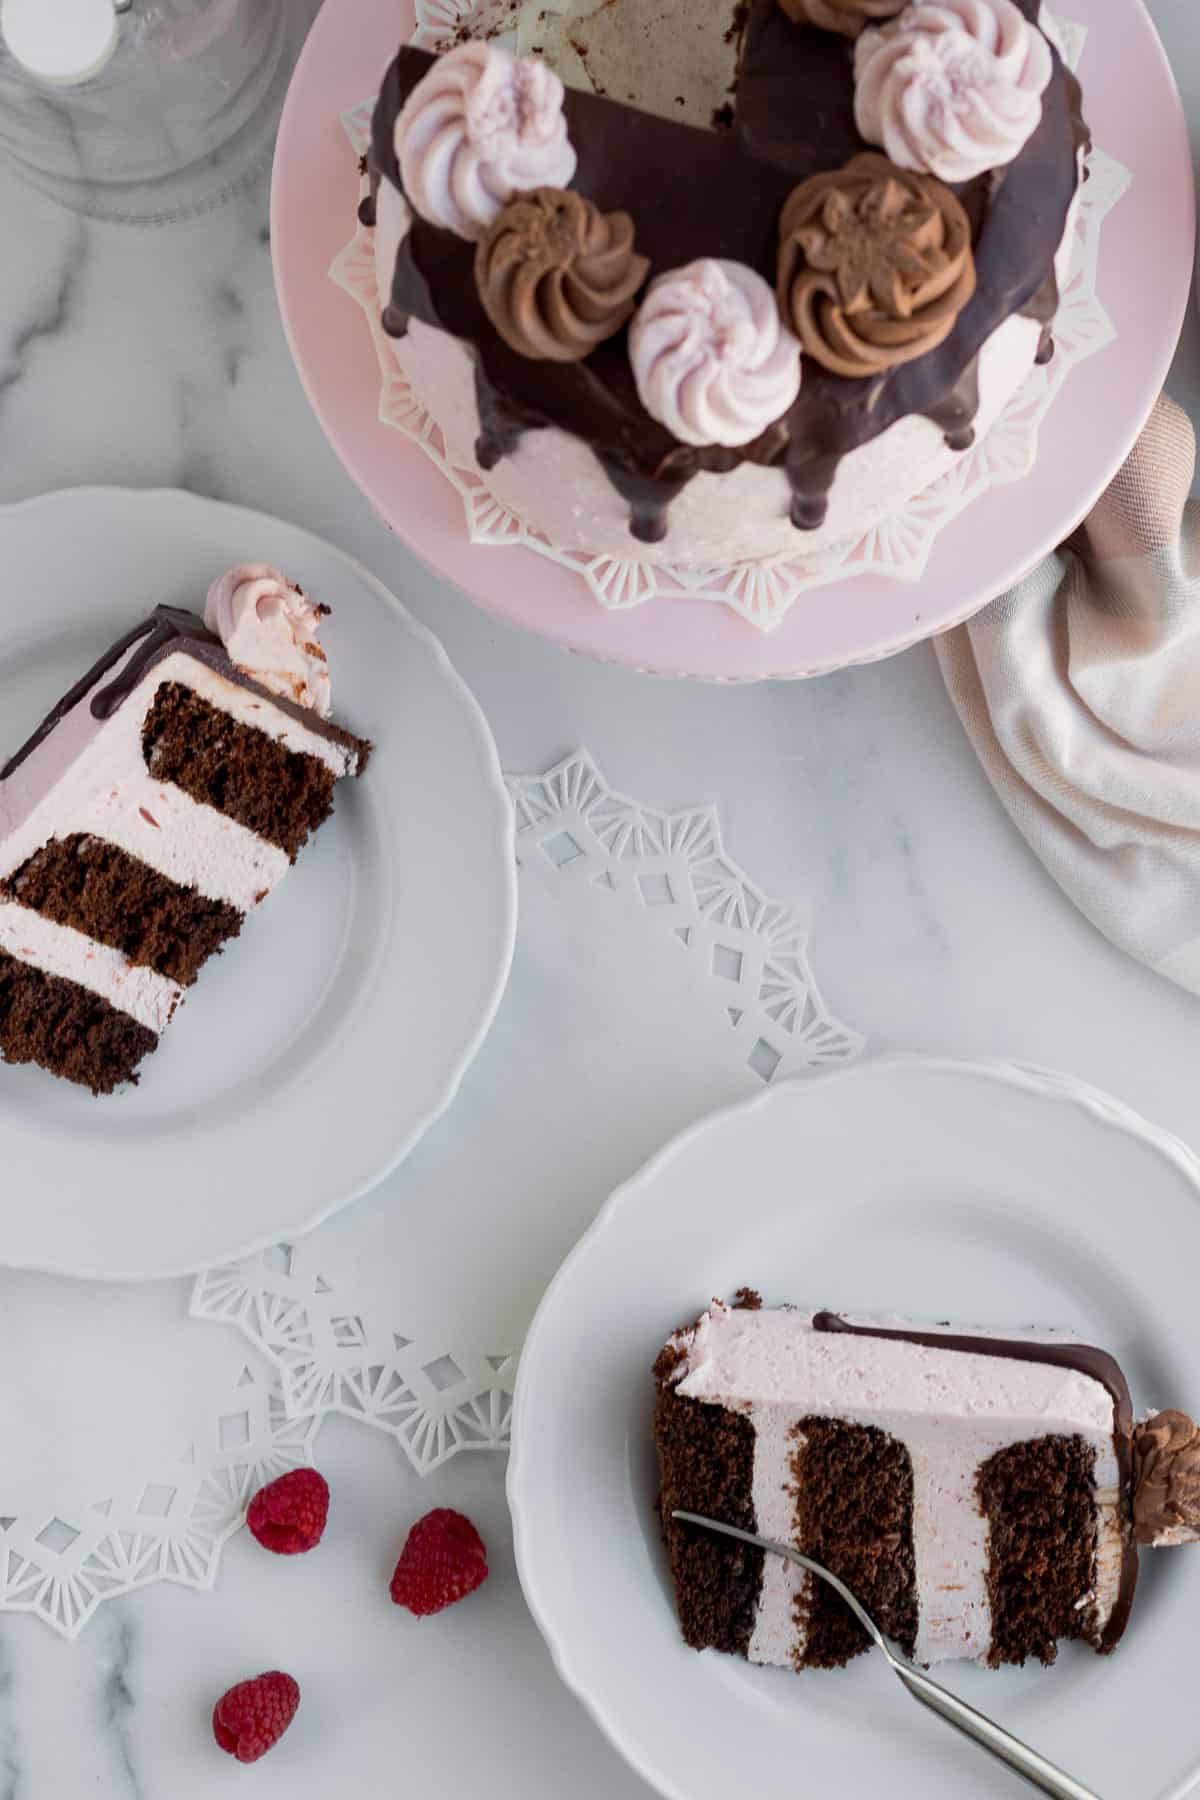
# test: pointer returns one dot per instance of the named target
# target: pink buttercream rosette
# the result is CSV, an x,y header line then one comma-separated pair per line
x,y
480,127
271,631
952,88
712,359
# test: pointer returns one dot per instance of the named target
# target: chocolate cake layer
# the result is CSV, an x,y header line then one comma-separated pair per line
x,y
706,1461
67,1030
110,896
854,1513
1038,1498
281,795
694,193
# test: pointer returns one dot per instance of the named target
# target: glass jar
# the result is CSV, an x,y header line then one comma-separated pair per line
x,y
144,111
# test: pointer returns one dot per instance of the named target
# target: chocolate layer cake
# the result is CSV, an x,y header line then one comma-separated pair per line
x,y
159,802
982,1495
731,339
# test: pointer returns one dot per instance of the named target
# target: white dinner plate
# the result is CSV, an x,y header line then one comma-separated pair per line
x,y
982,1193
313,1053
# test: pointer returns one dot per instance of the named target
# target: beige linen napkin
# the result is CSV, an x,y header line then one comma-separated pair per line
x,y
1080,690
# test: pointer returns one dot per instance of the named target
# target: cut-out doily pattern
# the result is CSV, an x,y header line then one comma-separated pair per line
x,y
898,547
675,865
169,1529
434,1402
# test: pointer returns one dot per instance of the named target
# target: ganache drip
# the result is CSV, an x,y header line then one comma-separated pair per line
x,y
169,625
955,416
1043,307
649,500
811,477
730,207
1043,310
367,205
500,431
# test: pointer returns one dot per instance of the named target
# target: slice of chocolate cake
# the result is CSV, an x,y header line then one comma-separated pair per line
x,y
980,1494
159,802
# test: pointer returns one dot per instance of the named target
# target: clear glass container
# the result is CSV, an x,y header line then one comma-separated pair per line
x,y
178,111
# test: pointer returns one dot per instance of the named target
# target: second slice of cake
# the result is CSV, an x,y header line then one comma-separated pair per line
x,y
982,1494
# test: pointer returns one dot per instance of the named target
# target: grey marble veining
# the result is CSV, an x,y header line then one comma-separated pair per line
x,y
10,1734
157,359
50,318
117,1700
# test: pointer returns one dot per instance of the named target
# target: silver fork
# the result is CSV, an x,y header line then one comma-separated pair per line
x,y
975,1725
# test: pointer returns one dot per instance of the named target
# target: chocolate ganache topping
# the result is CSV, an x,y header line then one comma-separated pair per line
x,y
1166,1494
556,275
694,193
847,16
170,630
875,265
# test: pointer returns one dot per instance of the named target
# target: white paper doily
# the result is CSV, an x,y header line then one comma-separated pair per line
x,y
898,547
434,1402
675,865
132,1445
136,1435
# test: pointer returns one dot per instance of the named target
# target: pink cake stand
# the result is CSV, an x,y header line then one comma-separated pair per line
x,y
1136,114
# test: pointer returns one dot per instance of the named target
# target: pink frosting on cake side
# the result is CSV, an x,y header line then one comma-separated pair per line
x,y
58,950
769,1356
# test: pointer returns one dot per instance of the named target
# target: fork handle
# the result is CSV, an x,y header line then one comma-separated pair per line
x,y
985,1732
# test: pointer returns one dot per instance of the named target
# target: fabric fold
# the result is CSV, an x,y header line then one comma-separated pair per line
x,y
1080,692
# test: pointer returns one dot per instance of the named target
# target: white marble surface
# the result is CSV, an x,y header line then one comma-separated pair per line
x,y
159,360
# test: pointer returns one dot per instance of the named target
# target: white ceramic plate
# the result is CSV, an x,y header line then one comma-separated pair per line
x,y
313,1053
988,1194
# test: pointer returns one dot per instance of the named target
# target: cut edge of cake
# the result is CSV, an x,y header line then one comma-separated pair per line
x,y
975,1490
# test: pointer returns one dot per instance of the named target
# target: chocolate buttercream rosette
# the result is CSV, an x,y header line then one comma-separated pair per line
x,y
849,17
875,265
556,275
1166,1494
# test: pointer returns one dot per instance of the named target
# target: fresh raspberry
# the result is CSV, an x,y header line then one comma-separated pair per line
x,y
254,1715
288,1515
443,1560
